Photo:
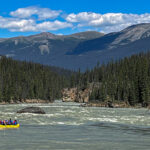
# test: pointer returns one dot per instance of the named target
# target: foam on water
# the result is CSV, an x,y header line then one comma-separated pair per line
x,y
68,126
71,113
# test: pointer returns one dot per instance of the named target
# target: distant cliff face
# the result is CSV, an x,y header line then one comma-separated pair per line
x,y
81,50
76,95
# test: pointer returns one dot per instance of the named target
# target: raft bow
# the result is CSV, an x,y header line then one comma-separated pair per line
x,y
9,126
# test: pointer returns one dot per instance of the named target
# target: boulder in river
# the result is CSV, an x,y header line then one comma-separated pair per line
x,y
35,110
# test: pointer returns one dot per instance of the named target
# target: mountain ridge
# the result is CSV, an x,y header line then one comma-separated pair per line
x,y
115,39
80,50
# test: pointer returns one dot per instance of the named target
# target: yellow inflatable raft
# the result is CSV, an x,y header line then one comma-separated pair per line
x,y
9,126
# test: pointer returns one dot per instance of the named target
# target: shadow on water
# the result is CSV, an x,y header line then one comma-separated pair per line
x,y
124,128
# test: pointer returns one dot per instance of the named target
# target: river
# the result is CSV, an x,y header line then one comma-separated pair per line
x,y
66,126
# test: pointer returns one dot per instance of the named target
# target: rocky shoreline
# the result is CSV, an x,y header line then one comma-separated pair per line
x,y
82,96
26,101
112,105
107,104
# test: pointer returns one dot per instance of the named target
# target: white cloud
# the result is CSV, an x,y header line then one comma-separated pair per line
x,y
108,22
44,19
21,20
82,17
14,23
26,25
42,13
44,26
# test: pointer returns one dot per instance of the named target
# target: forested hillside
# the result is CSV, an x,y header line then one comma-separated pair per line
x,y
22,80
127,80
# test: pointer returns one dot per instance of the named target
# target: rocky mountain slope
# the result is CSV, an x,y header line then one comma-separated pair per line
x,y
115,40
81,50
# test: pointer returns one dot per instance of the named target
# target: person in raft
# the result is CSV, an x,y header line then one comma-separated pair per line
x,y
8,122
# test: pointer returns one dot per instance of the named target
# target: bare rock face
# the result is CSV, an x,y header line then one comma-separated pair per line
x,y
69,95
83,96
44,49
76,95
35,110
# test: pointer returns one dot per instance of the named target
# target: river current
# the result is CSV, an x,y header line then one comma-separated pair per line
x,y
66,126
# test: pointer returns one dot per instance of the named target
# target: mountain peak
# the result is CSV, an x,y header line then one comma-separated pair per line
x,y
45,35
133,33
141,25
87,35
78,50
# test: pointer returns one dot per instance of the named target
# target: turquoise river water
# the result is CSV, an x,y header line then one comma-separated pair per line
x,y
66,126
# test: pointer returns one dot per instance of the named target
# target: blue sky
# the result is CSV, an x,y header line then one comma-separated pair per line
x,y
25,17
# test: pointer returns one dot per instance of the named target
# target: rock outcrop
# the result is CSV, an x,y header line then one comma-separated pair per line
x,y
76,95
35,110
69,95
80,95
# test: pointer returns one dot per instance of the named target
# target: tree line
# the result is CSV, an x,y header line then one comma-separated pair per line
x,y
27,80
126,80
